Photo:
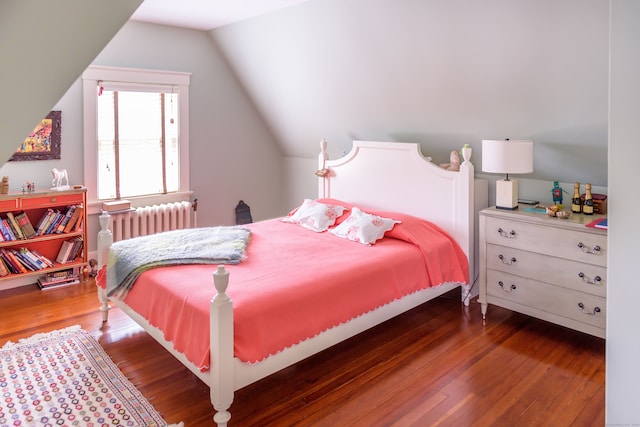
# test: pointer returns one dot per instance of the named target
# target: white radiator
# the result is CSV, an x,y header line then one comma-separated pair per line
x,y
153,219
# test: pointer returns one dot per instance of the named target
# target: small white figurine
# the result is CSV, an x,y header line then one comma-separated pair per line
x,y
58,177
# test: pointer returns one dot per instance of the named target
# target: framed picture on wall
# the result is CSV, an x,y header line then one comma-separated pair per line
x,y
43,143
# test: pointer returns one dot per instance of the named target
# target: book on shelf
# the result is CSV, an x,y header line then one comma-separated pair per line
x,y
9,263
24,260
65,250
599,223
69,250
4,271
42,222
42,258
75,219
16,266
5,233
78,244
51,216
33,259
65,220
15,227
78,225
54,223
25,225
6,230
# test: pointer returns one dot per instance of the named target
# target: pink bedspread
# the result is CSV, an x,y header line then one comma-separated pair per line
x,y
295,284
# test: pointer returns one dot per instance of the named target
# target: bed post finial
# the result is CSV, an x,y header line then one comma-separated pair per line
x,y
221,281
322,160
466,154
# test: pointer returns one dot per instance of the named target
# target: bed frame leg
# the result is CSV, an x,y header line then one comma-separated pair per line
x,y
222,382
105,239
466,294
104,304
222,418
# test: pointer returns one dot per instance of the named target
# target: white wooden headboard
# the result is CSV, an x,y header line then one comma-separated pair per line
x,y
395,176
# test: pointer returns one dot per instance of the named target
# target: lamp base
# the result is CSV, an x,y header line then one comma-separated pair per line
x,y
507,194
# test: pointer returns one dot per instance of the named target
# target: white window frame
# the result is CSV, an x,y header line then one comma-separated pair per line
x,y
179,81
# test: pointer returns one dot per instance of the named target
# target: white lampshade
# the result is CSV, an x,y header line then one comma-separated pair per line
x,y
507,156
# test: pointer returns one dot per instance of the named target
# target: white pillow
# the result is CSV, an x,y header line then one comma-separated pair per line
x,y
363,227
315,216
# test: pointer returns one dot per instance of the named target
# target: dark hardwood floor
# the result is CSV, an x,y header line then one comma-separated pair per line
x,y
437,365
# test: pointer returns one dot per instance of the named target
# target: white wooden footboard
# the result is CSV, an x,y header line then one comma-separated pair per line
x,y
220,378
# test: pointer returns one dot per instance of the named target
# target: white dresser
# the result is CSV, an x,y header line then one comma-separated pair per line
x,y
550,268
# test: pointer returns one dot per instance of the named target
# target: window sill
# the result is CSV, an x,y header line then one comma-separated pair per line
x,y
95,206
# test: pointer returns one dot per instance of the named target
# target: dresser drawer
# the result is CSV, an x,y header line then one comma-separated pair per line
x,y
583,246
545,300
565,273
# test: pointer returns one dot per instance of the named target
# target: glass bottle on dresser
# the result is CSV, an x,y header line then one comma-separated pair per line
x,y
576,201
587,207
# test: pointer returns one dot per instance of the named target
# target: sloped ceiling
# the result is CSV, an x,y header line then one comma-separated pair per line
x,y
442,73
44,47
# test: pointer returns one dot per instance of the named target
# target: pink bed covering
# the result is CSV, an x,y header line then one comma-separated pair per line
x,y
295,284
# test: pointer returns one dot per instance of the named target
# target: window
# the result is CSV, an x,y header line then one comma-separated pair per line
x,y
136,134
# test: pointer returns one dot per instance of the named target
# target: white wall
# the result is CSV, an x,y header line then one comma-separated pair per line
x,y
623,286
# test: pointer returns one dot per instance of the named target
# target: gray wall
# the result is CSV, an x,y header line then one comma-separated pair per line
x,y
440,72
623,292
41,59
233,155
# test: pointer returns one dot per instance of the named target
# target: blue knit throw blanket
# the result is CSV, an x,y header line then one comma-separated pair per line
x,y
208,245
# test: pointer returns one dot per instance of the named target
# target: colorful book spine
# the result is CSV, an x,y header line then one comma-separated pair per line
x,y
4,271
43,258
42,223
6,232
15,227
67,216
25,225
73,221
54,223
35,261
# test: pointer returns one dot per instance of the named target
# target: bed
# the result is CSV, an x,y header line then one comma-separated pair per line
x,y
384,179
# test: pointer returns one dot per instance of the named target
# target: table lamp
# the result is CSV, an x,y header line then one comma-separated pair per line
x,y
507,156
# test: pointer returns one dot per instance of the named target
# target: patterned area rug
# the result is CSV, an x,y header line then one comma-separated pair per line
x,y
64,378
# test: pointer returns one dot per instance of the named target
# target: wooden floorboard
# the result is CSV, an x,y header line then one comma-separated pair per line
x,y
437,365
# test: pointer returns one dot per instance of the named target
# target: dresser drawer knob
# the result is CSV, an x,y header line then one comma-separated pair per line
x,y
511,261
510,234
507,288
596,280
595,310
584,248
